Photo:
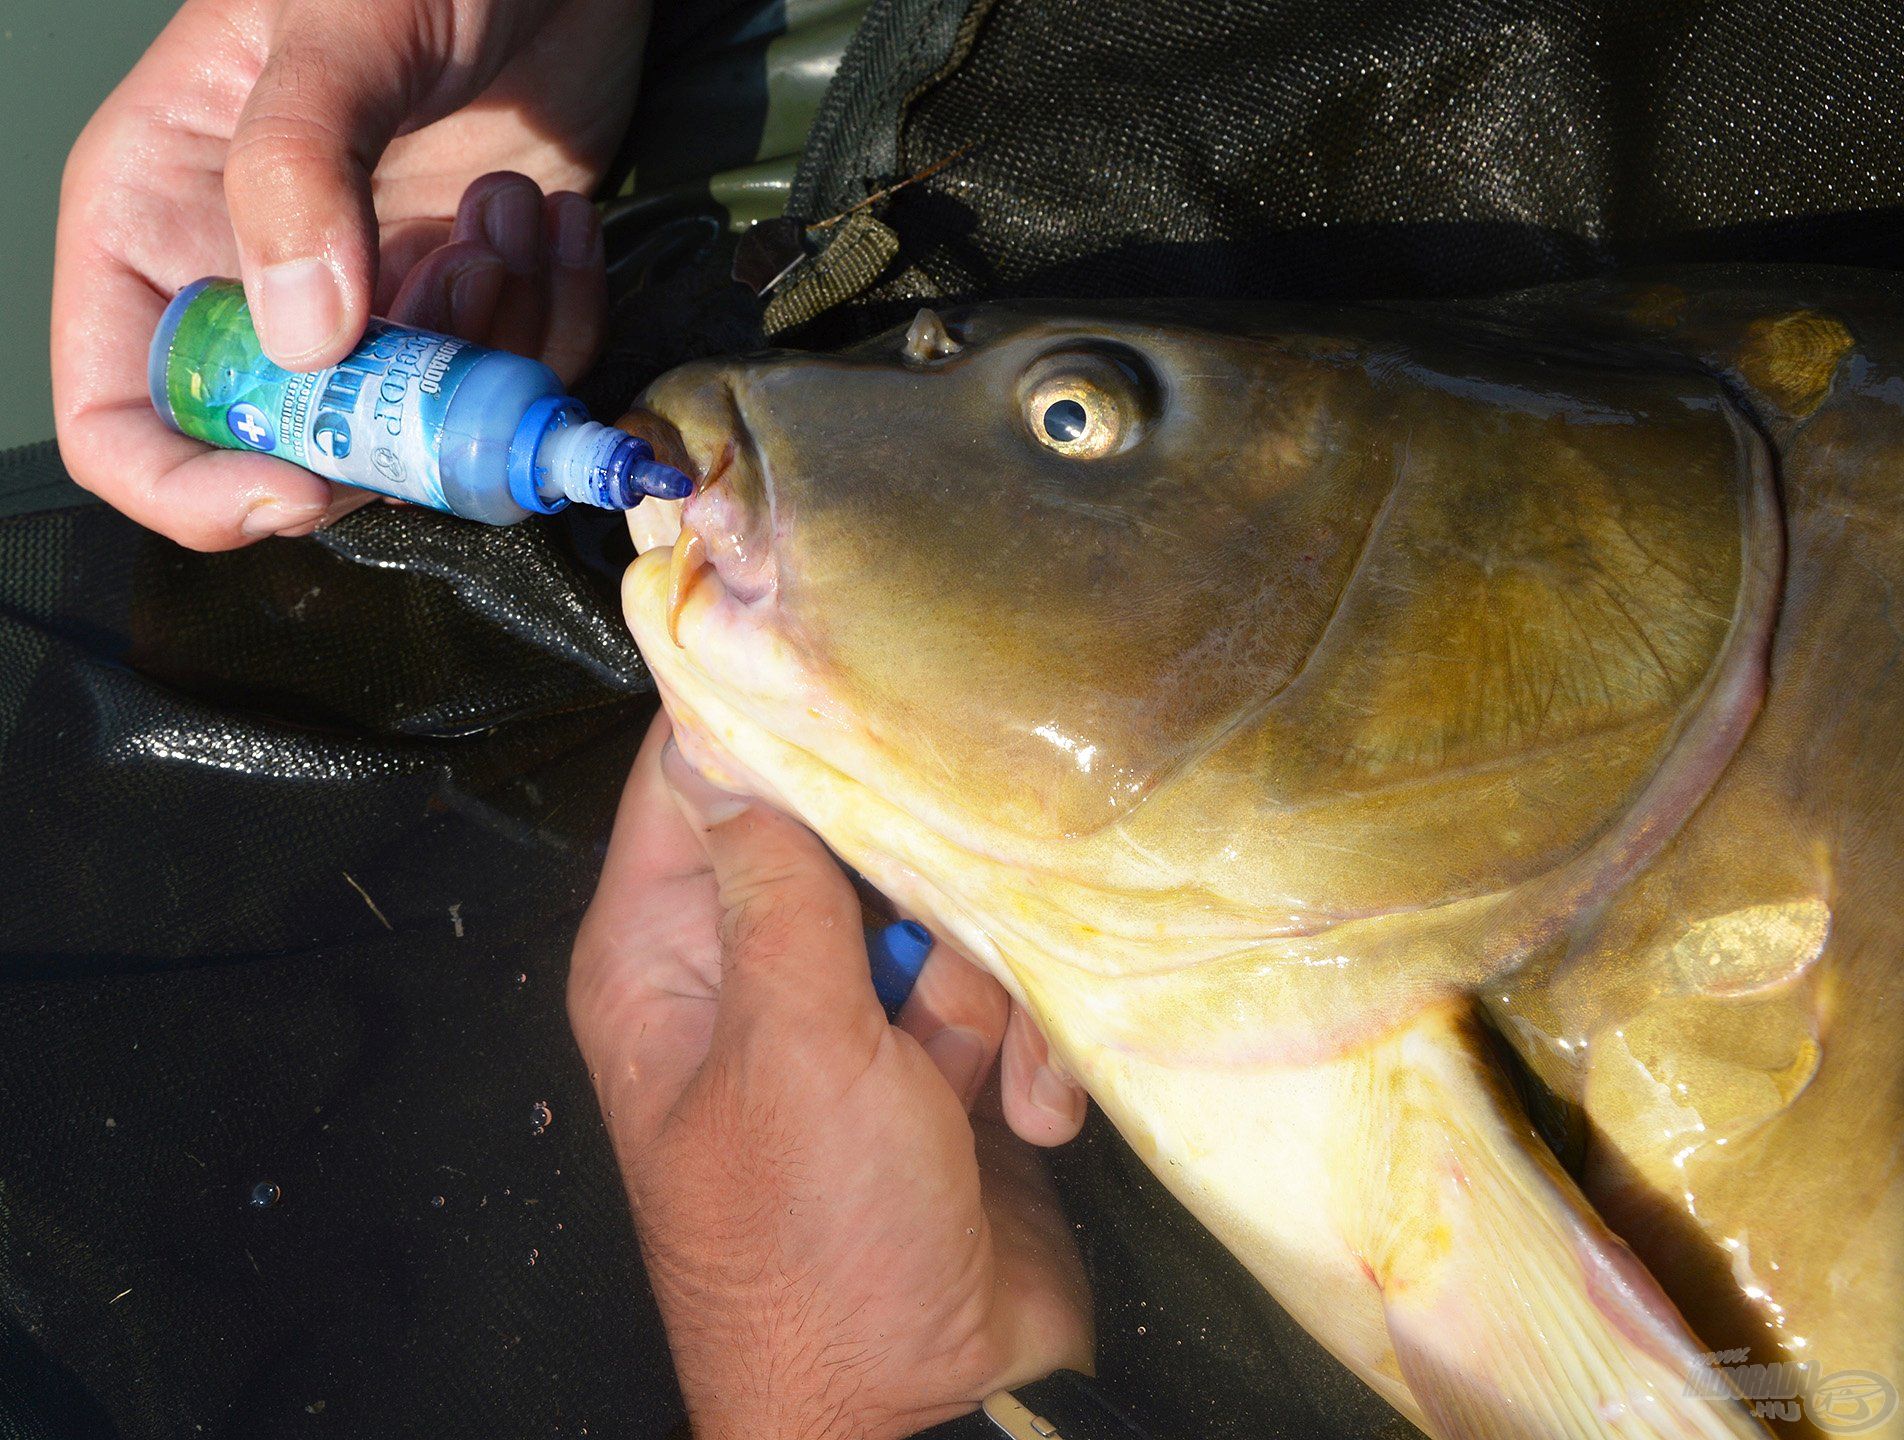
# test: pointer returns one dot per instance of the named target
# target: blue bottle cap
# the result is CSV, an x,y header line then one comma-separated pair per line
x,y
559,455
898,953
630,473
551,412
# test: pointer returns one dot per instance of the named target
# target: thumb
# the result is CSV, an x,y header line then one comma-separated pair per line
x,y
794,960
334,90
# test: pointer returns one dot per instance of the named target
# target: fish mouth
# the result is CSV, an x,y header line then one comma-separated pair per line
x,y
720,537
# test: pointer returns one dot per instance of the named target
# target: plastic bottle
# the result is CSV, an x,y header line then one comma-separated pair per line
x,y
427,418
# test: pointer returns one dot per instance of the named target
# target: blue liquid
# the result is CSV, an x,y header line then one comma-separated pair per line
x,y
480,430
423,417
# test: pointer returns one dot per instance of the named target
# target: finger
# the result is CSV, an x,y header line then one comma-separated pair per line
x,y
578,285
336,86
452,290
958,1014
651,844
1041,1103
403,246
647,961
1048,1324
348,499
504,212
793,957
473,300
116,446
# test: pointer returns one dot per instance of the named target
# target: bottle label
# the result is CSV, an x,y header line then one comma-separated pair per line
x,y
373,420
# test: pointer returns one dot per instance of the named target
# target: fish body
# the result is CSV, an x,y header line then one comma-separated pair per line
x,y
1432,772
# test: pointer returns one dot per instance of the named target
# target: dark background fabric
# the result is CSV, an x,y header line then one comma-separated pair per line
x,y
295,839
1347,149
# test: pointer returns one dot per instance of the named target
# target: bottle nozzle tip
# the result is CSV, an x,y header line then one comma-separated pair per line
x,y
664,482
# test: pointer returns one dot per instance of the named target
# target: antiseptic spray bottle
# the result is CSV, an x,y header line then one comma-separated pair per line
x,y
427,418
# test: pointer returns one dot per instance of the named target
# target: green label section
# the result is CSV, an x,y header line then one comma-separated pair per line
x,y
373,420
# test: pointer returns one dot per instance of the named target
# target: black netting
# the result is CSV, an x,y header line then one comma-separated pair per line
x,y
1317,149
203,760
296,838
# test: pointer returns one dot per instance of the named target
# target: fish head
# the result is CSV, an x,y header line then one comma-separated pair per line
x,y
1139,636
1038,559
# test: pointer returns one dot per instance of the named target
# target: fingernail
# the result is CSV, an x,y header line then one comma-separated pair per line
x,y
705,802
347,501
273,517
512,220
1054,1095
962,1057
303,309
474,290
578,232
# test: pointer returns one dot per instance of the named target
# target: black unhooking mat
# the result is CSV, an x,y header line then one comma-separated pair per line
x,y
295,839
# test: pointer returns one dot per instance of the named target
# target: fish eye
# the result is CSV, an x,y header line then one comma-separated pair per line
x,y
1066,421
1084,404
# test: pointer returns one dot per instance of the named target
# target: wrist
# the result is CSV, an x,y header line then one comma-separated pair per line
x,y
1064,1405
769,1361
813,1412
741,1384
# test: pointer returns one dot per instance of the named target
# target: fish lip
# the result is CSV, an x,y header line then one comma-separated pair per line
x,y
736,537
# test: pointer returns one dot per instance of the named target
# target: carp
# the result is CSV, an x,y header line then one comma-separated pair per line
x,y
1433,772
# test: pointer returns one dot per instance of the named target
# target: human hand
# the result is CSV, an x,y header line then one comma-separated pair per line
x,y
838,1244
318,148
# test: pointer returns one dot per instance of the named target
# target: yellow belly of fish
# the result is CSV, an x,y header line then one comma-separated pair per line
x,y
1386,1198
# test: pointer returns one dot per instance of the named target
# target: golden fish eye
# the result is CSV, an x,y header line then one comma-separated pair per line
x,y
1082,406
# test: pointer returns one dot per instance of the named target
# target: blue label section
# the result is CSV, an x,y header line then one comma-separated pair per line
x,y
375,420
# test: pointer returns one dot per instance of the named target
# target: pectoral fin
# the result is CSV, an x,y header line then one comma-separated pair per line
x,y
1514,1312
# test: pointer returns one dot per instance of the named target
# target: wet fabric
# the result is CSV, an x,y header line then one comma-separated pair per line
x,y
296,838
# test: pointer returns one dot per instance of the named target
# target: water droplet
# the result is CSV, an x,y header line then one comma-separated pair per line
x,y
541,1117
534,1255
437,1202
522,977
1142,1330
264,1195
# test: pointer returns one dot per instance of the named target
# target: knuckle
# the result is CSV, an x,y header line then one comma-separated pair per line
x,y
92,478
99,156
990,1006
498,179
277,139
780,904
764,926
